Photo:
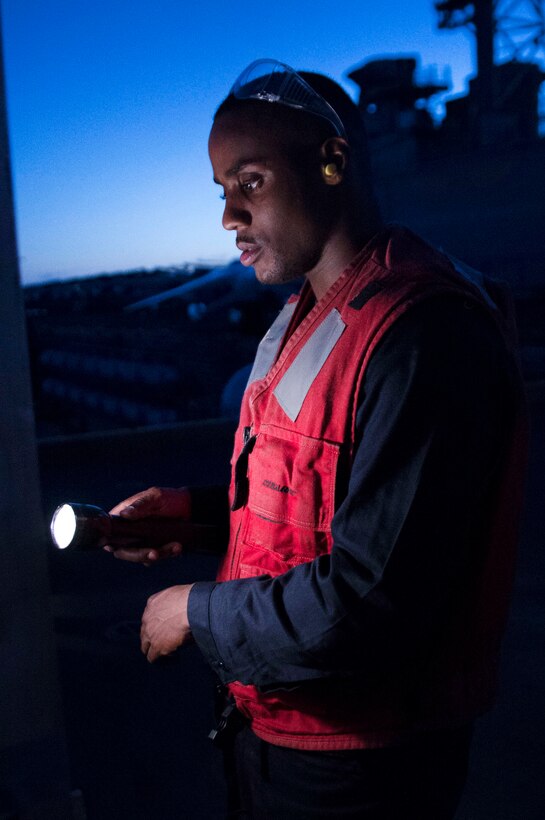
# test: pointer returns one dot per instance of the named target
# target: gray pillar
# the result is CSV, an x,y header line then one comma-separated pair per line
x,y
34,779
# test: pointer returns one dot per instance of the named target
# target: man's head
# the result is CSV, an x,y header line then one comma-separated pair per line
x,y
294,179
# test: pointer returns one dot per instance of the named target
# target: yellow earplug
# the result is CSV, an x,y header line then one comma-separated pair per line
x,y
330,169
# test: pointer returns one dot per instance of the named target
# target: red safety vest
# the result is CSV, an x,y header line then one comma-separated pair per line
x,y
293,450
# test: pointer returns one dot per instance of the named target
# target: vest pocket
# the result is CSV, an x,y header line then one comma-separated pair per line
x,y
272,549
292,478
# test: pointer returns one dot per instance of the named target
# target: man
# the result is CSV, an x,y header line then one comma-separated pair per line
x,y
358,609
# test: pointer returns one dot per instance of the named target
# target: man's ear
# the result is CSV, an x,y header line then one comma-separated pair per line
x,y
334,159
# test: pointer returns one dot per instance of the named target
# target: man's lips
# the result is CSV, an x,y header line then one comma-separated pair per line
x,y
250,251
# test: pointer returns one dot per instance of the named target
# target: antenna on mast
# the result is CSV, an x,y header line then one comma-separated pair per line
x,y
510,30
506,31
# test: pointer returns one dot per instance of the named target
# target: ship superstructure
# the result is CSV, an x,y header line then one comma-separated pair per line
x,y
472,183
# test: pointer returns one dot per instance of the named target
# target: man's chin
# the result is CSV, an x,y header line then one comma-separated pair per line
x,y
267,275
264,274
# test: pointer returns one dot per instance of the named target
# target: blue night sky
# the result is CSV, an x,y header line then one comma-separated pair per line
x,y
110,105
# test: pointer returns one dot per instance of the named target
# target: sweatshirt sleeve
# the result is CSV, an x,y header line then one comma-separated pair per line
x,y
435,413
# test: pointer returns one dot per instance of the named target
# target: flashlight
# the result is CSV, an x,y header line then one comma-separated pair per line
x,y
77,527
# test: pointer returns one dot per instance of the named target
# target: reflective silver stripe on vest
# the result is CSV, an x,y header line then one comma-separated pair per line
x,y
474,276
297,381
268,346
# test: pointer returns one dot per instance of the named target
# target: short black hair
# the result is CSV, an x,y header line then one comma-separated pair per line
x,y
341,103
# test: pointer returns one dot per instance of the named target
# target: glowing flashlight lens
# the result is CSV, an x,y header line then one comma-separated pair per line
x,y
63,526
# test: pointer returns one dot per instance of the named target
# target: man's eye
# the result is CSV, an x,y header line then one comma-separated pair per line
x,y
251,185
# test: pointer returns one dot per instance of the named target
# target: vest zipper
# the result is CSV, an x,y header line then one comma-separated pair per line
x,y
244,453
234,554
241,470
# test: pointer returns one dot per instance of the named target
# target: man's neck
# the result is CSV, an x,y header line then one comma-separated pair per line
x,y
338,252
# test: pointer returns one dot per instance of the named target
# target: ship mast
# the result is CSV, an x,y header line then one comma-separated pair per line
x,y
480,18
505,31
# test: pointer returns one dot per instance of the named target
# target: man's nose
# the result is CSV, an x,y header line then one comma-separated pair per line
x,y
234,216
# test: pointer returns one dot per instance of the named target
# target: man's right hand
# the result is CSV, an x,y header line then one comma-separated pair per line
x,y
166,502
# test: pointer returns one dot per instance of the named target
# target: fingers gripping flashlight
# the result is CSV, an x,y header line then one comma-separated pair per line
x,y
77,527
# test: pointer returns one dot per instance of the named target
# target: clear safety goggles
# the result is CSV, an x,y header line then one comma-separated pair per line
x,y
276,82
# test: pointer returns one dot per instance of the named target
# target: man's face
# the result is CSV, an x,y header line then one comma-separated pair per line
x,y
276,210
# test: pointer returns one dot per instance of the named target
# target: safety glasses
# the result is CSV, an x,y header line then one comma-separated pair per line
x,y
275,82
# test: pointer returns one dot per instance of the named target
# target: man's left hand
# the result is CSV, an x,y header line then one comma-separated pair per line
x,y
164,623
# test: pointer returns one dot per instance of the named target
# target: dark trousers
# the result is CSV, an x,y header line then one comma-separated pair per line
x,y
421,780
